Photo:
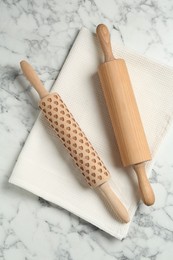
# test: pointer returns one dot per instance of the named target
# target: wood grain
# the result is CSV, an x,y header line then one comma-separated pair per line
x,y
124,114
104,38
145,188
33,78
114,202
76,143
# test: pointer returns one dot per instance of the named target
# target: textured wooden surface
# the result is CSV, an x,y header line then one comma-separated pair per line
x,y
75,141
124,114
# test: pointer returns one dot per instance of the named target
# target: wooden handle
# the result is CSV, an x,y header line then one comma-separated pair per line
x,y
104,38
114,202
32,77
144,184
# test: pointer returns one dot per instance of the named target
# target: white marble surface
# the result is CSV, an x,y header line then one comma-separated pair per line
x,y
42,32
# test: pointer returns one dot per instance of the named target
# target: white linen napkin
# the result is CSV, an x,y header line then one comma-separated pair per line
x,y
44,166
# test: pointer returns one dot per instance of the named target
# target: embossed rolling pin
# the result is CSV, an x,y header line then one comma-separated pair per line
x,y
124,114
75,141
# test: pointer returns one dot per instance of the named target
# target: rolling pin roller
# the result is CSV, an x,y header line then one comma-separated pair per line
x,y
75,141
124,114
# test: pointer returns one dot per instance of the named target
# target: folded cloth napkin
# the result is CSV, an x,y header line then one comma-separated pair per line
x,y
44,166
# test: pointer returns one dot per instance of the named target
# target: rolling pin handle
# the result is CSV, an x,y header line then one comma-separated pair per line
x,y
32,77
104,38
114,202
145,188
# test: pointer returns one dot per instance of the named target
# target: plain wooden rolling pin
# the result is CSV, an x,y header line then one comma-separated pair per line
x,y
75,141
124,114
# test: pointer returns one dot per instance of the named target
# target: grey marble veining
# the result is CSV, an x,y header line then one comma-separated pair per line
x,y
43,32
